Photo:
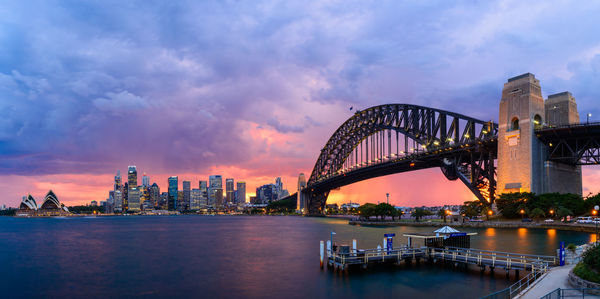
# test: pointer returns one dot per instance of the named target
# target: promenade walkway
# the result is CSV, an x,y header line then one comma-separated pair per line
x,y
555,278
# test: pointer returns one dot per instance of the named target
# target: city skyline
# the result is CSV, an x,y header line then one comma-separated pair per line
x,y
86,90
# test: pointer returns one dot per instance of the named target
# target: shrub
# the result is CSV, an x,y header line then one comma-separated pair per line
x,y
592,258
571,247
585,272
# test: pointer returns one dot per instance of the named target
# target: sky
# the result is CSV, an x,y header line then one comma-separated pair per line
x,y
253,89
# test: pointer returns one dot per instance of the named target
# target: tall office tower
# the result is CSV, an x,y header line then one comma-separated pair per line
x,y
118,182
229,190
155,195
110,203
125,196
145,180
173,182
300,202
279,185
241,193
219,200
215,182
186,195
203,193
133,202
118,201
132,176
195,199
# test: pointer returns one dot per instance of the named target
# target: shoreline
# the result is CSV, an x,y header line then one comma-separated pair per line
x,y
491,224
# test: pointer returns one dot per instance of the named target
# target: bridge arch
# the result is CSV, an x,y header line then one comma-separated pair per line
x,y
361,148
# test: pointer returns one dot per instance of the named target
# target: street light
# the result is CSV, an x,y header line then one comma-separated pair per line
x,y
522,213
588,117
551,213
595,212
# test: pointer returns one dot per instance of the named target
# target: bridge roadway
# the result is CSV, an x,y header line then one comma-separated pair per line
x,y
467,256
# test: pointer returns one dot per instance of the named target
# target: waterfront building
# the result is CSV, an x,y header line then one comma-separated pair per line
x,y
145,180
215,182
300,201
172,201
118,205
229,190
186,195
219,200
110,202
266,193
155,195
240,193
164,201
203,193
196,196
133,202
180,203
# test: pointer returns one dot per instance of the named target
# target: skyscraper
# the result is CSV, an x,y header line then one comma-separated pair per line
x,y
195,199
133,203
118,182
173,182
241,192
185,205
132,183
216,182
203,193
229,190
132,176
145,180
155,195
118,201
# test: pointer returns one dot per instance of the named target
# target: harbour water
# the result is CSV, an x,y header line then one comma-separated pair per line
x,y
230,257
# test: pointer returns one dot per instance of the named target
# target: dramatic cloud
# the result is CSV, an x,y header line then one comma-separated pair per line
x,y
254,89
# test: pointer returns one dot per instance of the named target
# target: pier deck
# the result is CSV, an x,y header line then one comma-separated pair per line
x,y
482,258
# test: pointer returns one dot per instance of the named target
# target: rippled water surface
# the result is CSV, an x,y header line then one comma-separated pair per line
x,y
230,257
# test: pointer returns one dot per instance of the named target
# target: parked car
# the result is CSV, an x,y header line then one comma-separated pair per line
x,y
475,220
526,220
585,220
549,220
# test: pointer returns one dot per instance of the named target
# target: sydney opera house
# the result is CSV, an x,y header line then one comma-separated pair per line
x,y
50,206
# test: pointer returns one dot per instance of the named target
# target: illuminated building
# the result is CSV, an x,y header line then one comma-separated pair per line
x,y
172,201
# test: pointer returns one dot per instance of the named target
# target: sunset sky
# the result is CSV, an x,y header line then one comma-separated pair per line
x,y
253,89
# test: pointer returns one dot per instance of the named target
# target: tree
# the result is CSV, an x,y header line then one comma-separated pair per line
x,y
538,213
418,213
384,209
282,206
471,208
510,204
442,213
367,210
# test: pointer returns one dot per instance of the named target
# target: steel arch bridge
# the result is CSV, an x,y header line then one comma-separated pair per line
x,y
396,138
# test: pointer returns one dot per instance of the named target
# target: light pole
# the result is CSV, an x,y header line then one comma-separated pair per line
x,y
388,198
522,213
595,212
588,117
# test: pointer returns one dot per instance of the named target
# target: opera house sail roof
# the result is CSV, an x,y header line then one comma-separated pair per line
x,y
50,206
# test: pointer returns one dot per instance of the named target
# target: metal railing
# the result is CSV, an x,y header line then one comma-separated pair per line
x,y
570,293
518,286
492,258
363,256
